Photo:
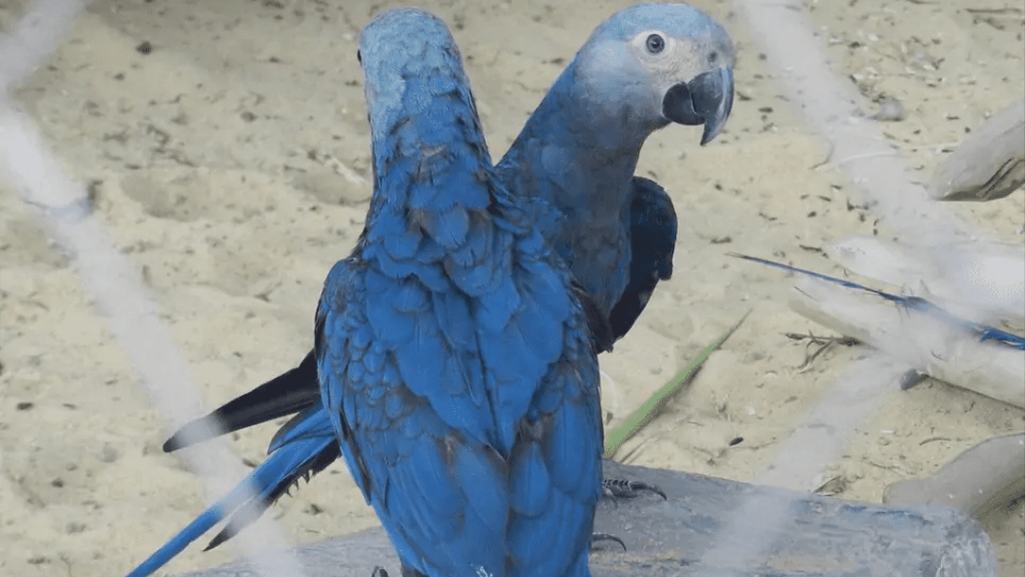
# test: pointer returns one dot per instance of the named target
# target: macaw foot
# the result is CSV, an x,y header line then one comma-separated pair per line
x,y
599,537
624,489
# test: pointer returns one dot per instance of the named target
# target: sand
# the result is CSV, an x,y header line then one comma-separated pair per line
x,y
230,159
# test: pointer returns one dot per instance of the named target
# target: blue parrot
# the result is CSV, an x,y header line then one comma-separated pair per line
x,y
644,68
455,358
572,170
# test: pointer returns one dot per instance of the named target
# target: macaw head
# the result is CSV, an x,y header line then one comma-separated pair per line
x,y
413,73
419,102
653,64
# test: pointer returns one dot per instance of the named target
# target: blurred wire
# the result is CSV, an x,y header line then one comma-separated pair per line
x,y
857,148
30,169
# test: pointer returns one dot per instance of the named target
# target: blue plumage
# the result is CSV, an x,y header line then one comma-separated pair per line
x,y
445,449
652,241
570,173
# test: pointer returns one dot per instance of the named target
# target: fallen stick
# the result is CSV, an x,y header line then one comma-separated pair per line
x,y
927,343
989,476
989,164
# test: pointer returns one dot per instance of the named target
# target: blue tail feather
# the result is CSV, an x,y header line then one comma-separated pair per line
x,y
985,332
306,448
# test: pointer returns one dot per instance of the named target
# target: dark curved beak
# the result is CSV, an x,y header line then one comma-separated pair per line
x,y
707,99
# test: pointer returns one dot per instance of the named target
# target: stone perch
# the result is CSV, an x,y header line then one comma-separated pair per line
x,y
823,537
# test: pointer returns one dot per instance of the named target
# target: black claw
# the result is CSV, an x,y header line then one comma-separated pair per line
x,y
598,537
379,572
608,495
911,378
624,489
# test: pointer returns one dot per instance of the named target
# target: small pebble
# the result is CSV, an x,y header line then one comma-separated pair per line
x,y
74,527
890,110
108,454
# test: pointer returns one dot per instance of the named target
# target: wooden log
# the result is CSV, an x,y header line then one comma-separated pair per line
x,y
815,536
989,164
923,341
989,476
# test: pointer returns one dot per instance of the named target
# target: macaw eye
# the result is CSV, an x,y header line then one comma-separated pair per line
x,y
713,57
655,43
359,57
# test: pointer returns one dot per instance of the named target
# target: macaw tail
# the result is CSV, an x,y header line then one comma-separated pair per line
x,y
302,448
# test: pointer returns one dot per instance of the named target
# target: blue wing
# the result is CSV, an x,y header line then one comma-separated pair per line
x,y
464,424
298,388
653,241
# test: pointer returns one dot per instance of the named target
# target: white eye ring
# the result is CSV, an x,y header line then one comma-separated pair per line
x,y
652,44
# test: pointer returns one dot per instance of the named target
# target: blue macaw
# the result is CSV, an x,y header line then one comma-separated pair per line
x,y
454,355
572,169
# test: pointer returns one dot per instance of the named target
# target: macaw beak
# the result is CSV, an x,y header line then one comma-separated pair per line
x,y
707,99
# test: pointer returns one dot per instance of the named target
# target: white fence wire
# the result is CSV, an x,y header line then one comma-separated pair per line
x,y
29,167
831,107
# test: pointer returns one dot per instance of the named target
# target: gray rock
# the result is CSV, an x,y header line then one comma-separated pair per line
x,y
690,535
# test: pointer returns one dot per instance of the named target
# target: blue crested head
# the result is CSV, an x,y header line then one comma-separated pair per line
x,y
679,20
428,148
650,65
414,81
432,172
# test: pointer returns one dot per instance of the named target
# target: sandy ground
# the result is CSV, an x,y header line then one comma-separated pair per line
x,y
219,162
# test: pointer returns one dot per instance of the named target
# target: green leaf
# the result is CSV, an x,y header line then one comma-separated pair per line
x,y
654,405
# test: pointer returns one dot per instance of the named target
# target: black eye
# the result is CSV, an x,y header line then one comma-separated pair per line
x,y
655,43
713,57
359,57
